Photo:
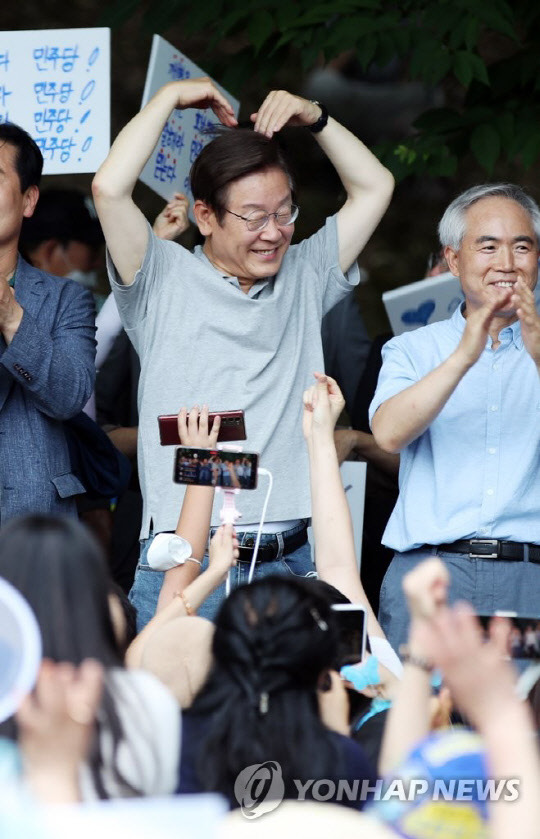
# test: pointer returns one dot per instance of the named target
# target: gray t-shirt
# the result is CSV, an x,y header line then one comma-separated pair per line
x,y
203,340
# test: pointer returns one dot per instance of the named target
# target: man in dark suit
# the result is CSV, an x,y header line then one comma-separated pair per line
x,y
47,351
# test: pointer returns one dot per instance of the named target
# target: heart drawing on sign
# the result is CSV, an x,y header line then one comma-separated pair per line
x,y
420,315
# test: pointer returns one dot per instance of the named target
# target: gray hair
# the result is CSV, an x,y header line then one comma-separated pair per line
x,y
452,225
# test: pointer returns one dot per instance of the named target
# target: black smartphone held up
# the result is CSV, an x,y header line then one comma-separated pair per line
x,y
233,427
214,467
351,620
524,641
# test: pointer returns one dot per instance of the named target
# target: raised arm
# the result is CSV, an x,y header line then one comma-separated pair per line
x,y
425,588
173,220
482,681
223,554
194,520
335,557
368,184
404,417
124,226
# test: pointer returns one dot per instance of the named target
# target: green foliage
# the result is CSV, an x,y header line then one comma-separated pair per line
x,y
483,54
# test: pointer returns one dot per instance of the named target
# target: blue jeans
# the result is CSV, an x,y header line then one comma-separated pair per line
x,y
147,584
488,585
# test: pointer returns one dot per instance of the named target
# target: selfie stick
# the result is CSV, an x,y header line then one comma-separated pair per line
x,y
263,515
229,514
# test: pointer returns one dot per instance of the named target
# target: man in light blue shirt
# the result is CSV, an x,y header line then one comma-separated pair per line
x,y
460,400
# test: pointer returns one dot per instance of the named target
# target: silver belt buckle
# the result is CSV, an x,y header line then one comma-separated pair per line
x,y
492,542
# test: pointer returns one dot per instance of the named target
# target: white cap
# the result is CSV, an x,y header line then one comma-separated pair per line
x,y
167,551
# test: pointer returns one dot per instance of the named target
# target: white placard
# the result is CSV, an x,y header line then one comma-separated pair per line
x,y
353,475
55,83
182,138
427,301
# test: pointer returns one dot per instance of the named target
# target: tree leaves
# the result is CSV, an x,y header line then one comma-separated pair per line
x,y
483,53
486,145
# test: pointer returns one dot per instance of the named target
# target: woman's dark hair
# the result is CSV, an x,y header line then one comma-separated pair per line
x,y
273,640
234,154
129,613
58,566
28,157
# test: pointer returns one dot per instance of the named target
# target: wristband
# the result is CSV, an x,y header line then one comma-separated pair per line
x,y
417,661
323,119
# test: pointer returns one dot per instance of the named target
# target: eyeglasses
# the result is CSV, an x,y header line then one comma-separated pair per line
x,y
257,220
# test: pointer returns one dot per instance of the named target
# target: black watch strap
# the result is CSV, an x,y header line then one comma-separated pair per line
x,y
323,119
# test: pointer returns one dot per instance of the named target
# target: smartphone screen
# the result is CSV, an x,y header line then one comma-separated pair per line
x,y
351,620
524,641
217,468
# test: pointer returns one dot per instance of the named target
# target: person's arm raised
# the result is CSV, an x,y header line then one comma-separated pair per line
x,y
368,184
223,554
335,557
195,515
425,589
124,226
405,416
483,684
173,220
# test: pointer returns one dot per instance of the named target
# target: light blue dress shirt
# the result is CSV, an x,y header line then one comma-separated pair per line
x,y
475,472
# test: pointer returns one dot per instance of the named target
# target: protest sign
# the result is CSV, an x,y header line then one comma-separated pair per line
x,y
182,138
55,83
426,301
423,302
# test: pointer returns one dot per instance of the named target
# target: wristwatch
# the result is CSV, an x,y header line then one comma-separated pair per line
x,y
323,119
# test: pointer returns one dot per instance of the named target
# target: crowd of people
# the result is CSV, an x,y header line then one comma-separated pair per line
x,y
218,674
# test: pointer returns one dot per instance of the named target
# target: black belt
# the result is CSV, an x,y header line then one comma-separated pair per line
x,y
269,547
490,549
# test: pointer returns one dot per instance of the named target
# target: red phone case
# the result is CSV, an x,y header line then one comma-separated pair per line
x,y
232,427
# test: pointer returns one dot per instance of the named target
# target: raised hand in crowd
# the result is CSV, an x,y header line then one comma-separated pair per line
x,y
173,220
56,725
323,403
335,556
183,588
409,720
483,684
193,428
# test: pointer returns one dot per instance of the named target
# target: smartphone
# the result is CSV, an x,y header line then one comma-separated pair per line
x,y
351,621
524,641
233,427
214,467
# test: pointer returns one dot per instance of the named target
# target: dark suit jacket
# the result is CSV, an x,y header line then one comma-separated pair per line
x,y
46,375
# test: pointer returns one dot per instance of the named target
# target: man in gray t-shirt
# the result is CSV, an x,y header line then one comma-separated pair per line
x,y
236,324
